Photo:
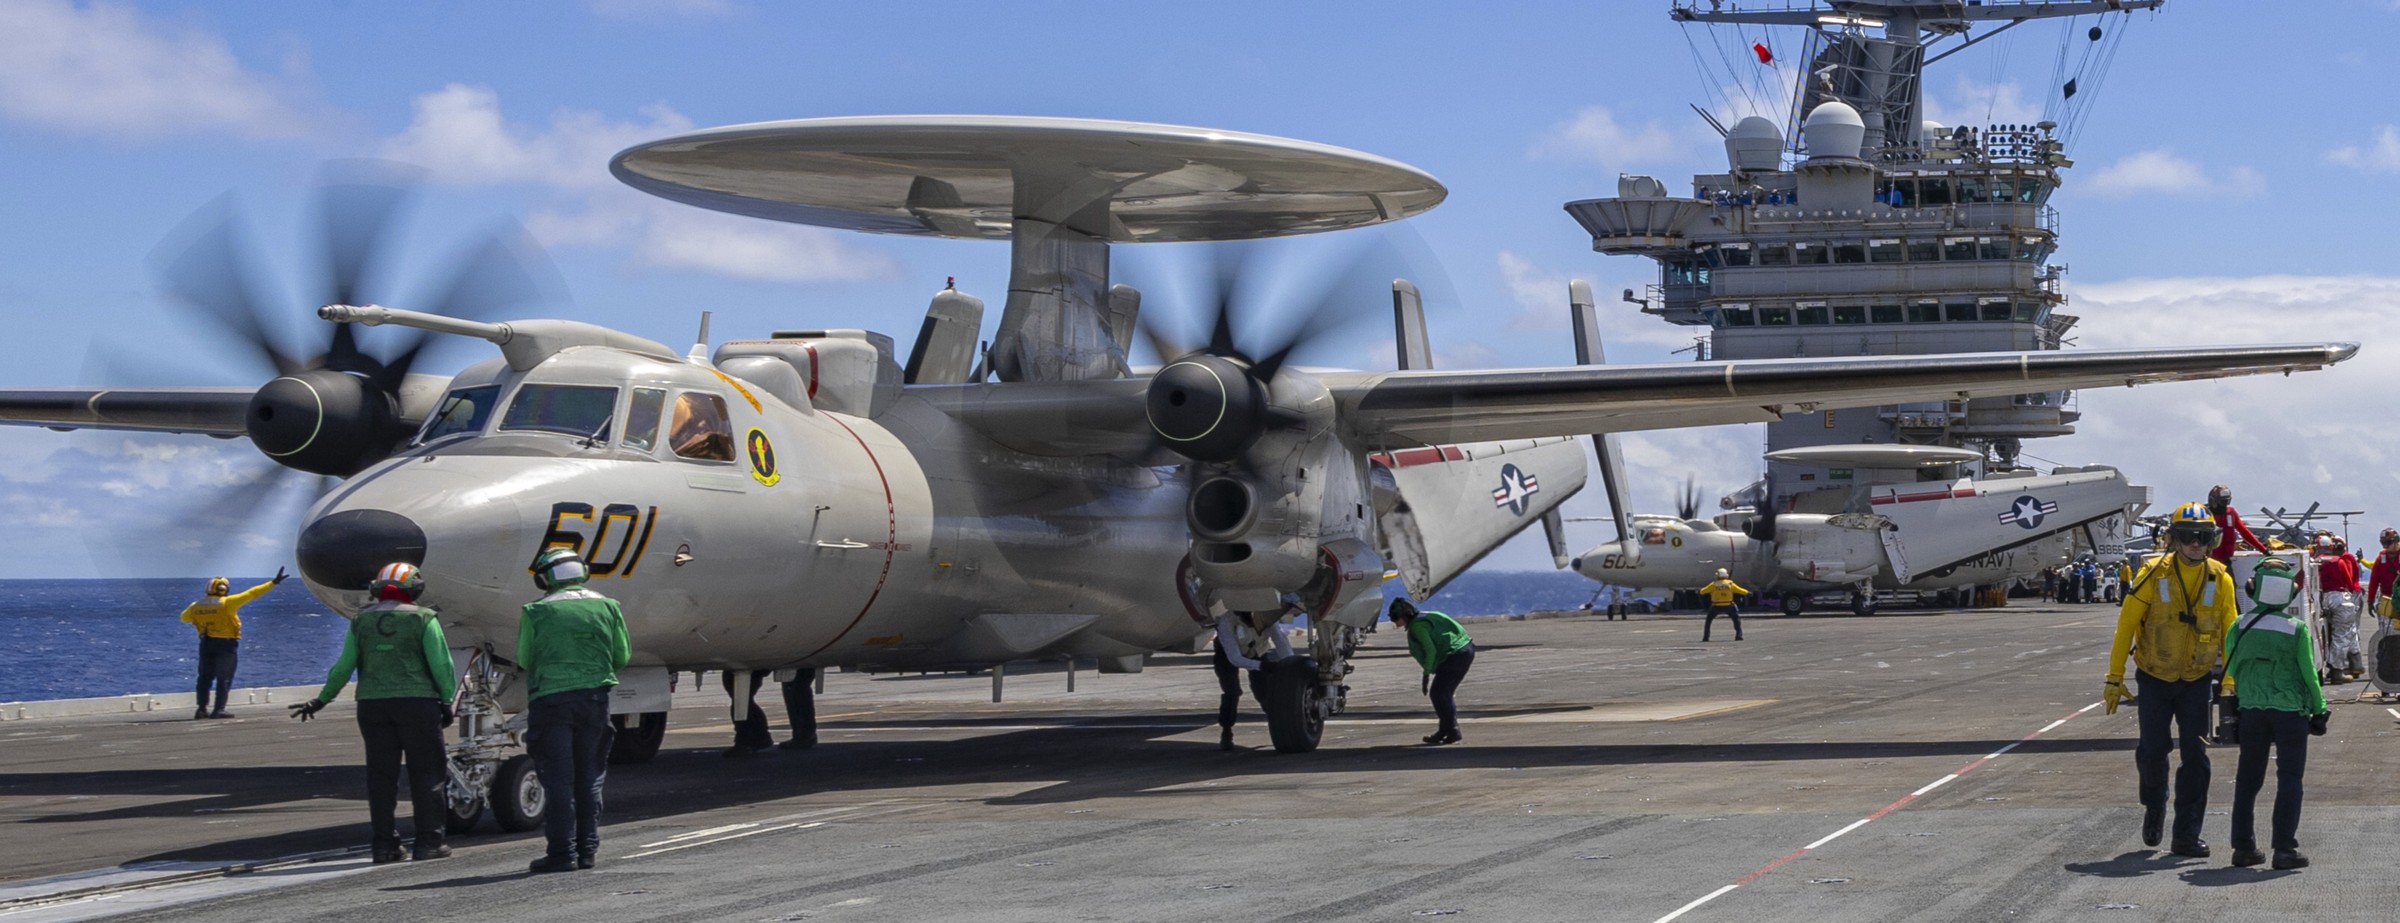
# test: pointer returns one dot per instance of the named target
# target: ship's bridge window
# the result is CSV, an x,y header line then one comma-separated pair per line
x,y
1775,255
641,423
1934,190
1736,316
1654,536
1994,310
1884,314
2029,311
1901,192
1774,317
2004,189
1970,190
1925,312
1885,251
573,410
1958,311
1924,251
1958,248
1849,313
1808,254
1849,251
465,410
1992,248
2033,248
2033,190
1687,273
700,430
1810,315
1733,255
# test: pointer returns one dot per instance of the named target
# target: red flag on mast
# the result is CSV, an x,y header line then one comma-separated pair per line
x,y
1764,56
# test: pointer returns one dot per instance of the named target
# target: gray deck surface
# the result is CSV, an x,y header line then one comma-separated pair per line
x,y
1611,771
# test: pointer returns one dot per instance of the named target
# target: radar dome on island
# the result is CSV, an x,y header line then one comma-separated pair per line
x,y
1754,144
1834,130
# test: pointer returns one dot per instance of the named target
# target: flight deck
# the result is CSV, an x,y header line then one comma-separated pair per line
x,y
1904,766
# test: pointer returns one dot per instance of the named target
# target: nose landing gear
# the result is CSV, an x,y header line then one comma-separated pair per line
x,y
487,765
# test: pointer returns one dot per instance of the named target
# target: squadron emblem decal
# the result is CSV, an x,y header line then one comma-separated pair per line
x,y
1516,489
2027,512
762,457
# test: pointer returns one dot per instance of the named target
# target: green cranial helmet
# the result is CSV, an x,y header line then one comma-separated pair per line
x,y
559,568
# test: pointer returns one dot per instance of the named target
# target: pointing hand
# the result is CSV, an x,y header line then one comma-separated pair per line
x,y
308,709
280,577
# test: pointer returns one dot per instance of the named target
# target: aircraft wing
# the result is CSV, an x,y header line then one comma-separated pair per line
x,y
1399,409
212,411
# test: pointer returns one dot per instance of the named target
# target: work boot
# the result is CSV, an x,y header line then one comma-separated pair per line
x,y
2356,673
429,853
219,713
199,713
738,751
2154,824
386,853
2245,857
552,864
2195,849
1225,740
798,743
586,861
2287,859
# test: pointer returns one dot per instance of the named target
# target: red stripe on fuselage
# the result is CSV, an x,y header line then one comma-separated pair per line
x,y
1929,495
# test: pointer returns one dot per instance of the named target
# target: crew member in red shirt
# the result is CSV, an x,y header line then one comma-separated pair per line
x,y
2387,567
2229,525
2337,579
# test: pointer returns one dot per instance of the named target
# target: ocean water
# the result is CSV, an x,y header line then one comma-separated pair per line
x,y
84,638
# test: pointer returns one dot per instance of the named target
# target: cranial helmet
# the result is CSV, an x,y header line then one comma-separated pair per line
x,y
1403,610
2390,536
2191,522
2271,584
2220,497
1721,574
219,586
397,581
559,568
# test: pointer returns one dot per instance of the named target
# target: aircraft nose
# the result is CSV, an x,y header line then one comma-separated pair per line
x,y
344,550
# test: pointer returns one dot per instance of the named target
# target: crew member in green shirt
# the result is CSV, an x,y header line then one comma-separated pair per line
x,y
1442,647
405,685
570,644
2270,659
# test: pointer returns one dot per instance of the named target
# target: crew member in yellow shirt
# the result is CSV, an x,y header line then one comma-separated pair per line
x,y
218,619
1720,601
2174,622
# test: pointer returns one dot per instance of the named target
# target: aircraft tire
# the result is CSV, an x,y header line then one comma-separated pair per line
x,y
1793,603
1286,687
1862,605
456,821
637,741
516,799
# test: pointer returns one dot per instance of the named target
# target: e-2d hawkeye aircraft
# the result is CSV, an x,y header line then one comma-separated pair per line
x,y
815,499
1941,532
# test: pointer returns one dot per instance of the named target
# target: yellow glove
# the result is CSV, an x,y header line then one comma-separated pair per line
x,y
2113,692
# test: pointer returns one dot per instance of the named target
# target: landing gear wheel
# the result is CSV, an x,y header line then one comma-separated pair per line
x,y
637,737
1793,603
516,795
1862,605
1288,689
457,821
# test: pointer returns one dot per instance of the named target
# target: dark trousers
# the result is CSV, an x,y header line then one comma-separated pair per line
x,y
750,732
1446,678
218,657
800,706
394,728
2287,733
568,734
1229,686
1726,610
2185,705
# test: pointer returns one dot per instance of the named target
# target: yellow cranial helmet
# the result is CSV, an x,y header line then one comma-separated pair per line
x,y
219,586
1721,574
2192,524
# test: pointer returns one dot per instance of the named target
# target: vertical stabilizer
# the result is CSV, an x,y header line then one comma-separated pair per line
x,y
945,350
1408,325
1588,351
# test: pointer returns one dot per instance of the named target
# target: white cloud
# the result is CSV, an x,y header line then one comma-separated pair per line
x,y
1974,102
2382,156
106,69
1541,297
1593,135
461,134
2160,170
2276,440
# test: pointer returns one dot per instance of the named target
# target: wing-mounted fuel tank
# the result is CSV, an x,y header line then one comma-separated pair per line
x,y
1453,504
845,371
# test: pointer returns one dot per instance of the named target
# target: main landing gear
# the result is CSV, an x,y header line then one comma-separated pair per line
x,y
1301,691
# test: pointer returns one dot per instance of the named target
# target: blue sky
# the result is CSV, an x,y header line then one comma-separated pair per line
x,y
2233,184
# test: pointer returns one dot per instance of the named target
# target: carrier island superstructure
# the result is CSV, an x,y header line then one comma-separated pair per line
x,y
1857,226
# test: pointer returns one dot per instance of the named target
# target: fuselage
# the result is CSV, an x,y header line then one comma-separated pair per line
x,y
740,532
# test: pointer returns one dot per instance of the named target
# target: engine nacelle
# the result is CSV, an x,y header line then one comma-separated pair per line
x,y
324,422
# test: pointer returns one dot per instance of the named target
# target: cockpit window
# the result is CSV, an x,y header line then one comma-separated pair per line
x,y
465,410
575,410
1654,536
700,430
641,425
